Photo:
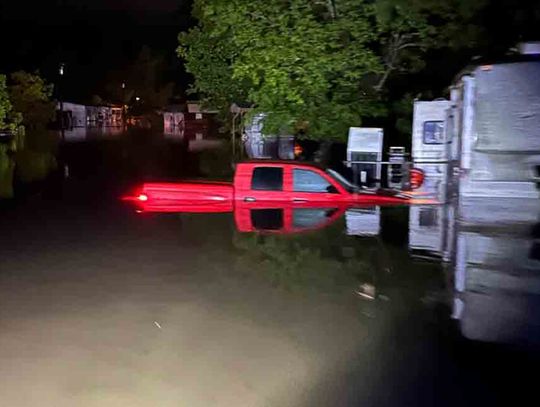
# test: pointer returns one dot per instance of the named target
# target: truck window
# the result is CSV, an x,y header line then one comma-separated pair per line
x,y
434,132
267,219
267,179
310,181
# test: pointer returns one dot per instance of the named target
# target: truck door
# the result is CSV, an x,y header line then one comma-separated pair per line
x,y
262,183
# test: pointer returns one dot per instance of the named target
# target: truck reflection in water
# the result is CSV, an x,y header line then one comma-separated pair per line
x,y
277,217
491,253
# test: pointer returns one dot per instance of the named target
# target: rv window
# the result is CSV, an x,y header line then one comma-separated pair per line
x,y
434,132
428,217
309,181
267,179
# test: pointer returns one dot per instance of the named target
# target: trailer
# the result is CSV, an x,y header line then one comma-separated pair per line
x,y
364,154
266,146
430,153
493,129
488,232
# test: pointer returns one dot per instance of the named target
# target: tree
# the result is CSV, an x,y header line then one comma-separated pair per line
x,y
409,29
332,64
297,61
9,121
31,95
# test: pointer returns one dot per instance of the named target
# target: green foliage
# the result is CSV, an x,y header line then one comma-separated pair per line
x,y
31,97
9,120
325,65
409,28
26,101
291,60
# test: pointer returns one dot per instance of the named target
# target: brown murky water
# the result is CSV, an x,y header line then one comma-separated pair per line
x,y
100,306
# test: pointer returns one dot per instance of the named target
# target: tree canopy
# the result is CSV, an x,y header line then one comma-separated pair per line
x,y
9,119
326,65
31,95
297,61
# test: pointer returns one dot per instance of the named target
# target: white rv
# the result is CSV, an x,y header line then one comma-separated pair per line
x,y
492,140
489,231
494,132
430,153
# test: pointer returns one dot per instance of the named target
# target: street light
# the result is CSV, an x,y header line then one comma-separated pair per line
x,y
137,98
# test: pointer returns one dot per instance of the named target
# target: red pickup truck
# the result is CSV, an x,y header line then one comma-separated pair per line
x,y
262,182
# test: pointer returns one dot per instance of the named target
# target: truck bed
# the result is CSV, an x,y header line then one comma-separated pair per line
x,y
192,196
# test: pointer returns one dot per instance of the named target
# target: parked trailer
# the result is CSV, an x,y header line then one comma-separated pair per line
x,y
494,132
364,154
484,234
430,151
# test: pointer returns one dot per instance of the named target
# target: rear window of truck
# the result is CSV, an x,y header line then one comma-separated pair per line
x,y
267,179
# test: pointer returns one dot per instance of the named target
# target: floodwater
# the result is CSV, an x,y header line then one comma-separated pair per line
x,y
103,306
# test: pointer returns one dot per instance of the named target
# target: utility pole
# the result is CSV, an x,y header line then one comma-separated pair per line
x,y
124,104
61,74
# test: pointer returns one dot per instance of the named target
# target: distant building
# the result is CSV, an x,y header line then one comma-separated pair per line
x,y
79,121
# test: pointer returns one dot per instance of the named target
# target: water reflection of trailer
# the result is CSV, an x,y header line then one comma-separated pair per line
x,y
364,222
496,272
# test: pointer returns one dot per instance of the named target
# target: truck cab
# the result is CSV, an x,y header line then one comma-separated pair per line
x,y
267,181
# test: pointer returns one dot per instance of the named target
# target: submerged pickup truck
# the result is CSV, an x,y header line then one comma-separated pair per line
x,y
267,182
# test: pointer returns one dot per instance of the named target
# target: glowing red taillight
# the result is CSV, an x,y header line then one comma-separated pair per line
x,y
416,178
142,197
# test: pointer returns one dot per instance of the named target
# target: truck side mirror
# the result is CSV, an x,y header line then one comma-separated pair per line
x,y
331,189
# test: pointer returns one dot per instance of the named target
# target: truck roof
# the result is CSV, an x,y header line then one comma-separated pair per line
x,y
284,162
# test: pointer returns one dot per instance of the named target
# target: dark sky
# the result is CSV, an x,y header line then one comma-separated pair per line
x,y
90,36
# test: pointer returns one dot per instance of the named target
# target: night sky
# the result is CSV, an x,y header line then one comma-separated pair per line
x,y
90,36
